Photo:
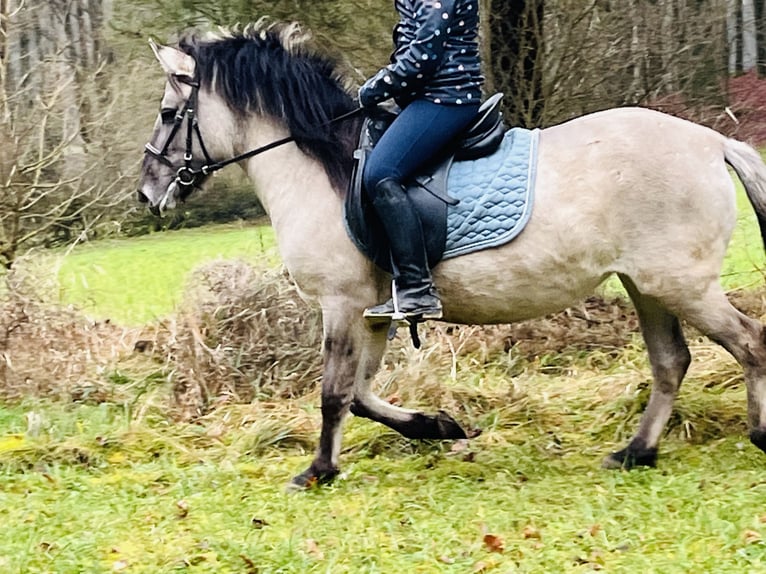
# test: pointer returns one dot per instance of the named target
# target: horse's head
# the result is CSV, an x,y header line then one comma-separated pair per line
x,y
225,94
176,157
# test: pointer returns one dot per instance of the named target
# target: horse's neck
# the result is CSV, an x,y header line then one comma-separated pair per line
x,y
305,211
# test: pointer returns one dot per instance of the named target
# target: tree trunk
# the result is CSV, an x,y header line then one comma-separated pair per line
x,y
760,24
749,36
515,48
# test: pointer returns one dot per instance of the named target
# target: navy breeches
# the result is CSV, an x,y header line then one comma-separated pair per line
x,y
417,135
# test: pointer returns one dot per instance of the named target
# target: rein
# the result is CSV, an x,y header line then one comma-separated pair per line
x,y
187,177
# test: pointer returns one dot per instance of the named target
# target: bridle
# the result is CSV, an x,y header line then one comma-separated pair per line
x,y
187,176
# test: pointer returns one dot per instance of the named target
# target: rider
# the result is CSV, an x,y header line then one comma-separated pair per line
x,y
435,77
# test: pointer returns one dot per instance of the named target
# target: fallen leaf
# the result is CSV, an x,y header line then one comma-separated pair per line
x,y
251,567
762,519
120,565
116,458
12,442
312,548
531,532
595,529
751,536
183,508
446,559
395,400
258,522
494,543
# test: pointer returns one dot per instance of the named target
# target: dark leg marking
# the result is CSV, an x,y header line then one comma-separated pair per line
x,y
341,362
758,438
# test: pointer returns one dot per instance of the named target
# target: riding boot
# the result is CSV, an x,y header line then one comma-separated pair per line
x,y
415,293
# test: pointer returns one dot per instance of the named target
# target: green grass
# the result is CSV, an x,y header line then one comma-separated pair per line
x,y
134,281
97,491
745,263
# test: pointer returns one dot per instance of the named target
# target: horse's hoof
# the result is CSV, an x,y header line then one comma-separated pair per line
x,y
758,438
440,426
310,478
449,427
631,457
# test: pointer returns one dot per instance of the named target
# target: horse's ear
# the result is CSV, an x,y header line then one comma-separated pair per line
x,y
173,61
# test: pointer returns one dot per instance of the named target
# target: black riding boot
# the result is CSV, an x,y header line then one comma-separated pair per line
x,y
415,292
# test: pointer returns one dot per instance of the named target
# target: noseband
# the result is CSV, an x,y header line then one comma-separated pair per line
x,y
187,177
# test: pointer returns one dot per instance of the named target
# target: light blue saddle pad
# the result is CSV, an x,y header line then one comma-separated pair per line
x,y
494,193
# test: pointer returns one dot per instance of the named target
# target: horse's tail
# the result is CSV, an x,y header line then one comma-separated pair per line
x,y
751,170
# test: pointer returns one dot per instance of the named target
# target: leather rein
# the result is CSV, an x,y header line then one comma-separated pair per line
x,y
187,177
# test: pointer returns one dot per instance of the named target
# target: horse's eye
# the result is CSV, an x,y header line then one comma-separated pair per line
x,y
168,115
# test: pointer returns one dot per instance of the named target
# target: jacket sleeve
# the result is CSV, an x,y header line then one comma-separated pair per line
x,y
414,63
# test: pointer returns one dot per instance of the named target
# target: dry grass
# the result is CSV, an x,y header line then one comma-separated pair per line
x,y
50,350
241,336
245,337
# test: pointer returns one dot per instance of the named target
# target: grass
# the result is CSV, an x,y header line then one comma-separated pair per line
x,y
121,487
98,491
745,262
134,281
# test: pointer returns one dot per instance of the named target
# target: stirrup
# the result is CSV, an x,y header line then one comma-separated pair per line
x,y
391,310
388,313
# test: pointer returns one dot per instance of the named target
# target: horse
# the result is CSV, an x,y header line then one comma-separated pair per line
x,y
627,191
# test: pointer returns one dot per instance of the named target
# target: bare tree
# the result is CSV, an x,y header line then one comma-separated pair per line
x,y
51,77
570,57
513,57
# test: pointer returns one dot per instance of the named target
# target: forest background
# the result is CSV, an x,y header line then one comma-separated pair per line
x,y
79,88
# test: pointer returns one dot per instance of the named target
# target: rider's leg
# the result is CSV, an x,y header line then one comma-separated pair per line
x,y
415,292
418,134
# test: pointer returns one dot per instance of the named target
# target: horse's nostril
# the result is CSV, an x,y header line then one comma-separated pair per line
x,y
141,197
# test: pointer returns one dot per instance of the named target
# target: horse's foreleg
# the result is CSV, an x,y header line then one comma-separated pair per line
x,y
669,357
341,359
409,423
352,355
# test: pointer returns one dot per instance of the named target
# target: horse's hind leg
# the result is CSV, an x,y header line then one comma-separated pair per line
x,y
669,357
745,339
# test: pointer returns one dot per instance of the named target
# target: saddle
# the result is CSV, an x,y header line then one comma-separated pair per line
x,y
427,191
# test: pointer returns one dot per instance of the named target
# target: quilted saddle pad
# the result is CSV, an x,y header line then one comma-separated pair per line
x,y
495,195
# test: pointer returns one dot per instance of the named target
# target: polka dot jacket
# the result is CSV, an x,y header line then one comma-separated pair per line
x,y
436,55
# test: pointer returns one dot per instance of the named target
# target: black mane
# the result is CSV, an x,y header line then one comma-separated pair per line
x,y
269,69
